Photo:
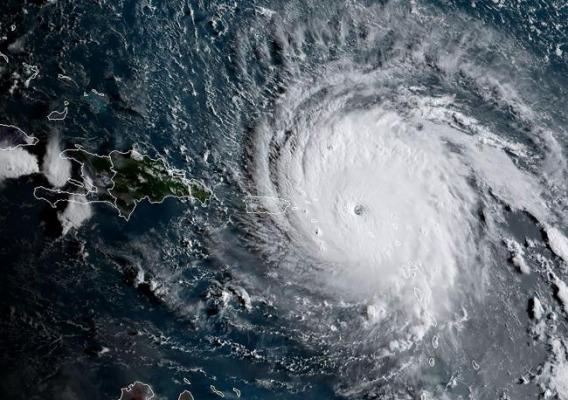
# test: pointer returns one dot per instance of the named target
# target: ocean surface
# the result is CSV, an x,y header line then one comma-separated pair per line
x,y
389,210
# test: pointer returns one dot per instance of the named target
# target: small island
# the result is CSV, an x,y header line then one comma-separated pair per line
x,y
122,180
137,391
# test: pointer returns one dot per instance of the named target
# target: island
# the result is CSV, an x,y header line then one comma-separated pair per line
x,y
12,137
142,391
137,391
185,395
122,180
15,160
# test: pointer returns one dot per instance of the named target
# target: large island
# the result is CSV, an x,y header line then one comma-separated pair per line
x,y
122,180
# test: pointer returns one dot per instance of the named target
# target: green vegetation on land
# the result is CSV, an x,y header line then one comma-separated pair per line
x,y
126,178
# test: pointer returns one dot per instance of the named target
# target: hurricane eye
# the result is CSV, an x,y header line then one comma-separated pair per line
x,y
359,210
399,180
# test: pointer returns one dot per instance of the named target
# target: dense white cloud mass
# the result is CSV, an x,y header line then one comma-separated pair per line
x,y
76,212
17,162
56,169
396,181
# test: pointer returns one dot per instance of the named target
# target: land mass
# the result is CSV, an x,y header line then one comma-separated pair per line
x,y
122,180
12,137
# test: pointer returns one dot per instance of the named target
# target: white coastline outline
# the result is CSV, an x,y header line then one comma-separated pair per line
x,y
131,386
59,115
32,138
173,172
251,200
188,393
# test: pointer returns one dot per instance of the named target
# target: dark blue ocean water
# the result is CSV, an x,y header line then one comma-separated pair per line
x,y
158,299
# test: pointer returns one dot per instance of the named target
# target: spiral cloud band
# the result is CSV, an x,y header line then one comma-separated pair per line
x,y
402,160
385,171
380,201
383,196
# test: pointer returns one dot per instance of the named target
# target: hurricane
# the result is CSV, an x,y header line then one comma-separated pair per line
x,y
382,178
284,199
